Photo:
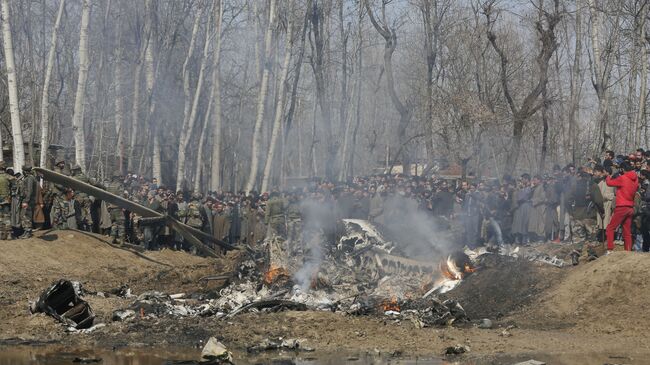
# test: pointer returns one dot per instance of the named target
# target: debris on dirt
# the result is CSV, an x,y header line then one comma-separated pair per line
x,y
123,291
506,332
531,362
62,301
485,324
122,315
279,344
214,352
456,350
92,329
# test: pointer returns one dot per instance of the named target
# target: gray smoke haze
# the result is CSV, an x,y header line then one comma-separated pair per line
x,y
318,226
416,233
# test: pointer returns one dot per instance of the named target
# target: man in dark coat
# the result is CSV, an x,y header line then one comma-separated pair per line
x,y
522,208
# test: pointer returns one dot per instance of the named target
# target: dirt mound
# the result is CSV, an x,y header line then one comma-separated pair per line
x,y
501,285
608,295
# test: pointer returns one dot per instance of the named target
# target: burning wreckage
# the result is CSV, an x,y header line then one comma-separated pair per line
x,y
355,272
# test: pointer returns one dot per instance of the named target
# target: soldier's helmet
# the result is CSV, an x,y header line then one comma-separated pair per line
x,y
60,163
76,168
196,196
27,168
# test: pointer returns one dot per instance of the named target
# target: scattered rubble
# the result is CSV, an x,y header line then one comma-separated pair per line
x,y
485,324
122,315
279,344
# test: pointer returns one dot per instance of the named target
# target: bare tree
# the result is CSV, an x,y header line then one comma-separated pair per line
x,y
16,128
215,100
257,132
80,99
545,27
390,37
433,12
318,65
574,109
279,109
601,65
45,102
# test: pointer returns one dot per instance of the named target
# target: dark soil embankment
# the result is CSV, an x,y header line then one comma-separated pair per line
x,y
502,285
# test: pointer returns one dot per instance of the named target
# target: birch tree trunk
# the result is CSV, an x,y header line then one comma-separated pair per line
x,y
135,111
16,130
182,146
199,151
80,98
279,109
257,132
119,108
45,122
215,99
156,168
642,56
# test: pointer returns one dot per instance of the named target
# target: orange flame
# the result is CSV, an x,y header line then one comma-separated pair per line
x,y
468,269
390,305
274,274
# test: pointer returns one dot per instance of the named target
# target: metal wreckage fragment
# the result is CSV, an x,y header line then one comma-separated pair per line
x,y
62,301
194,236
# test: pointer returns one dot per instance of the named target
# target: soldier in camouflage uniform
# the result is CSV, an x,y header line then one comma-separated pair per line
x,y
5,203
59,210
294,223
27,188
118,230
193,213
84,200
276,237
275,216
117,214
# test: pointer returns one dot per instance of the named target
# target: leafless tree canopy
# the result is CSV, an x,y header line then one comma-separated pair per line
x,y
248,94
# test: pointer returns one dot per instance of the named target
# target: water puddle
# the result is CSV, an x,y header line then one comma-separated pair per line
x,y
26,355
47,355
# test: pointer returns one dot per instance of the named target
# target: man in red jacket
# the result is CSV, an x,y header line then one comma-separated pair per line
x,y
626,187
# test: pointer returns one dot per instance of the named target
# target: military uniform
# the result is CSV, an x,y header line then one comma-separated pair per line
x,y
118,220
275,217
84,201
294,223
5,204
27,189
59,210
193,214
118,229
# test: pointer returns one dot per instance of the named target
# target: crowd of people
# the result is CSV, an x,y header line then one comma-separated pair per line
x,y
569,204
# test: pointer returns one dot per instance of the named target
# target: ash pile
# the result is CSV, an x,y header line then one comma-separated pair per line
x,y
350,269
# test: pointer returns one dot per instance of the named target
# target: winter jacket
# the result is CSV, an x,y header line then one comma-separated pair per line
x,y
627,185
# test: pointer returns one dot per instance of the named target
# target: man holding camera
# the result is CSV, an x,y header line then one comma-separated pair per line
x,y
627,185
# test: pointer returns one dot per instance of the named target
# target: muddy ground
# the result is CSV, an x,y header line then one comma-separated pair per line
x,y
600,307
